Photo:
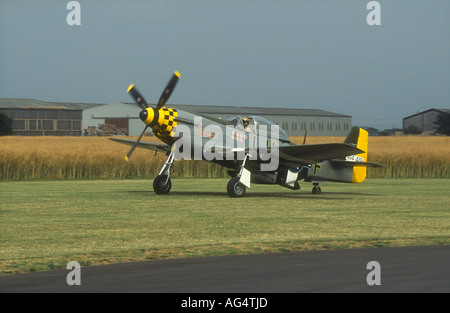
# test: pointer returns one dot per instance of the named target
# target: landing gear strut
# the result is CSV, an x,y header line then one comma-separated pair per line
x,y
237,185
162,183
316,189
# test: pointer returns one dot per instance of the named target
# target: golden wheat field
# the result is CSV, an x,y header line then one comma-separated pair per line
x,y
99,158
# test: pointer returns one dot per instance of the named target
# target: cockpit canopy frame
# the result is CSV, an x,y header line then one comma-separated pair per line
x,y
255,122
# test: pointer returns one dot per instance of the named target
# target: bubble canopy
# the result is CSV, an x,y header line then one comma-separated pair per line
x,y
255,122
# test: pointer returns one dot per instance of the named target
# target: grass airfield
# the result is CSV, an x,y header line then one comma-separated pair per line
x,y
46,224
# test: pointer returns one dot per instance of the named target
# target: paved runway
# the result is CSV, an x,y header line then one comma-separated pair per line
x,y
405,269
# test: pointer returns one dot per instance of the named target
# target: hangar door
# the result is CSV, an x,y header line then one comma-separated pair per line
x,y
120,123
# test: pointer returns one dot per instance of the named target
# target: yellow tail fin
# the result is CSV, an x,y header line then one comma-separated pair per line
x,y
360,138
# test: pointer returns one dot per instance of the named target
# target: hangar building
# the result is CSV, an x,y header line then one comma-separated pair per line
x,y
40,118
424,120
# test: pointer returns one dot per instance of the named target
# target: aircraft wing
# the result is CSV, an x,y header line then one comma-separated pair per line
x,y
310,154
162,147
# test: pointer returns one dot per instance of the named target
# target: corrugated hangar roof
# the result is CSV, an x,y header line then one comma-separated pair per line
x,y
201,109
38,104
426,111
214,109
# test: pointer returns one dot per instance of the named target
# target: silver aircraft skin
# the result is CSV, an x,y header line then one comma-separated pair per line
x,y
254,149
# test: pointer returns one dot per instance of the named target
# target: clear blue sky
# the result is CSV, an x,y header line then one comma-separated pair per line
x,y
287,53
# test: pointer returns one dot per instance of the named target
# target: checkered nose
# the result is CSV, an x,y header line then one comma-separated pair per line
x,y
167,119
163,120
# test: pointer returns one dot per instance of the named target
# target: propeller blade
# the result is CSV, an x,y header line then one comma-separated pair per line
x,y
137,96
135,145
168,90
304,139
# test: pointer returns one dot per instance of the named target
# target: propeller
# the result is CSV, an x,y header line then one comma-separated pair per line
x,y
137,96
304,139
168,90
135,144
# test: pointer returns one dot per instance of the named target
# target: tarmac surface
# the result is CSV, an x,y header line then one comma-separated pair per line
x,y
403,269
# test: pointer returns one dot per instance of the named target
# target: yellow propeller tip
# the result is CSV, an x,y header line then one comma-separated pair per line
x,y
130,87
126,158
177,73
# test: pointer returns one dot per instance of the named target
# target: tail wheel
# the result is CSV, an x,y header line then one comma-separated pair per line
x,y
235,189
316,190
162,184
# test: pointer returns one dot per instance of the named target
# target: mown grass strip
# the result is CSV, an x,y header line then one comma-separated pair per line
x,y
46,224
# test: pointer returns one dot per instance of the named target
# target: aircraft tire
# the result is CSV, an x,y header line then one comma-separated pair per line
x,y
160,186
235,189
316,190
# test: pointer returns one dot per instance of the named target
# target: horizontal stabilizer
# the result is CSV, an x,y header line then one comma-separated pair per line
x,y
350,164
310,154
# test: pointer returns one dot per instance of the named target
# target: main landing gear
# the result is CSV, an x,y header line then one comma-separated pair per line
x,y
235,188
237,185
162,183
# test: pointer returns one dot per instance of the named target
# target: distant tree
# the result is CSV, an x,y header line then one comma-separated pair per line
x,y
386,132
412,130
443,123
5,125
373,131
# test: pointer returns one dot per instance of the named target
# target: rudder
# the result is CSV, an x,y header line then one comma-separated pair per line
x,y
360,138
